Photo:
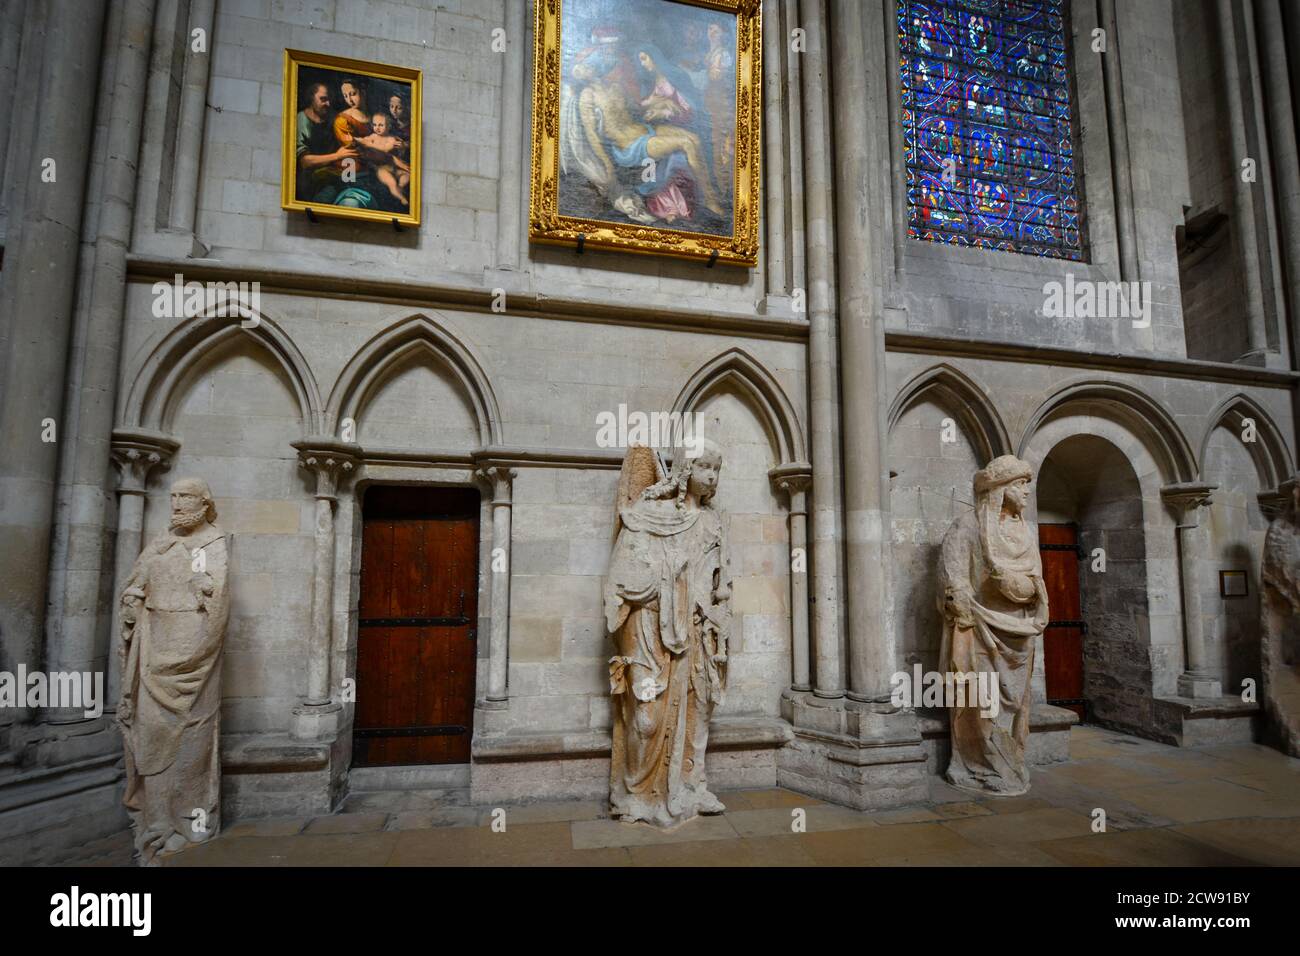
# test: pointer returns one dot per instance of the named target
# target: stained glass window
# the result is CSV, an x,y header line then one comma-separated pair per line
x,y
988,125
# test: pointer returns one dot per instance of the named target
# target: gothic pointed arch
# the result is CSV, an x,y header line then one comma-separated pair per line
x,y
1269,449
171,357
966,398
390,349
1138,413
739,371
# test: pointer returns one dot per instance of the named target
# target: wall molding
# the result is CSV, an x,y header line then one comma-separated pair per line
x,y
925,344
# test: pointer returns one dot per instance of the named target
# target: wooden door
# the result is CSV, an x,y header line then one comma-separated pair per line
x,y
1063,639
417,626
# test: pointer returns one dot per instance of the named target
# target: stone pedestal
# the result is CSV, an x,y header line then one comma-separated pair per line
x,y
861,755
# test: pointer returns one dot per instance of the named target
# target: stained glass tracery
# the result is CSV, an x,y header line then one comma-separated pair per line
x,y
988,125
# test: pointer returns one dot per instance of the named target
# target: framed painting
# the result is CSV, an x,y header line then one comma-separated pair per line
x,y
647,125
351,138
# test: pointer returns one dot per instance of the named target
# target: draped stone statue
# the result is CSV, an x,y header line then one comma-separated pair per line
x,y
666,608
994,608
174,611
1280,609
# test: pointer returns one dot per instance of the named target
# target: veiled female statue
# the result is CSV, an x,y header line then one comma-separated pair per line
x,y
1280,608
174,611
666,608
994,608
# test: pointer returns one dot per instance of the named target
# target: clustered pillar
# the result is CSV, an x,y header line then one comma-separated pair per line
x,y
330,462
1186,501
501,480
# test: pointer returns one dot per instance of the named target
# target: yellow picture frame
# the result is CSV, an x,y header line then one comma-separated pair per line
x,y
329,192
631,222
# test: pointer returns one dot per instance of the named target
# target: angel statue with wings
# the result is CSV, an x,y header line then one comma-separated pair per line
x,y
666,608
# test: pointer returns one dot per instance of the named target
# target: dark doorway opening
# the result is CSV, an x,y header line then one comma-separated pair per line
x,y
417,623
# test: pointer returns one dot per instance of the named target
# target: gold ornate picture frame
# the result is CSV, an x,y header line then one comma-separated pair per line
x,y
350,139
647,127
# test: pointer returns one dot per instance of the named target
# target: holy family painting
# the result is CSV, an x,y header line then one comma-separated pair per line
x,y
351,138
647,125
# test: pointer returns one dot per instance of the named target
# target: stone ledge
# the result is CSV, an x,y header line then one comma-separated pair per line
x,y
278,753
51,783
1201,708
460,291
1043,718
727,733
1193,722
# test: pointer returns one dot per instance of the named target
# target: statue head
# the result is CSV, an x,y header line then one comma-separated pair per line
x,y
1008,478
192,504
703,469
692,474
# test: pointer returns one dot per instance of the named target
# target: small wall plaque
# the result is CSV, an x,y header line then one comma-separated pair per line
x,y
1232,584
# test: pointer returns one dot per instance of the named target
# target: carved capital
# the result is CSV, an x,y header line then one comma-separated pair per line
x,y
500,478
793,479
330,460
1186,498
137,452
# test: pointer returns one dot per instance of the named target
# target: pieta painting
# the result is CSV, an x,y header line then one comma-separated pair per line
x,y
351,140
646,126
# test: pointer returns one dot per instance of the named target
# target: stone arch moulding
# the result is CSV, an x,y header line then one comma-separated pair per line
x,y
979,417
1269,451
1142,415
367,369
751,379
175,353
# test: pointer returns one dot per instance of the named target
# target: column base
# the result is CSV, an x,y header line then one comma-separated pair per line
x,y
1198,686
862,755
315,721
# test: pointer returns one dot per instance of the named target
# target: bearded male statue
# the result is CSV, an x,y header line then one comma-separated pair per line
x,y
174,611
1280,609
994,607
667,609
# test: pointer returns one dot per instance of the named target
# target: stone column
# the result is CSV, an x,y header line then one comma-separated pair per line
x,y
1286,162
1112,77
1185,501
331,462
870,638
795,483
36,299
823,363
136,453
91,392
511,161
774,180
1244,216
501,479
189,137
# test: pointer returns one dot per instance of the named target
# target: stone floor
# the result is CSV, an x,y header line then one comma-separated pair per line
x,y
1220,805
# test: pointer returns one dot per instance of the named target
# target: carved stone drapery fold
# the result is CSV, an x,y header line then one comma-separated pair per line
x,y
136,453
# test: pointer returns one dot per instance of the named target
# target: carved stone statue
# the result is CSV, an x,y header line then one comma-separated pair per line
x,y
666,608
994,608
1280,609
174,611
